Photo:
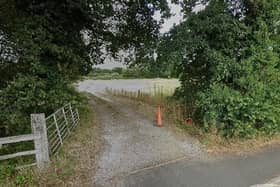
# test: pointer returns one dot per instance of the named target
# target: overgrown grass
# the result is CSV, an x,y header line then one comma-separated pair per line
x,y
74,165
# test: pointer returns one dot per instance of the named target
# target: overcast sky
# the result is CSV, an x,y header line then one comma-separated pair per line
x,y
175,19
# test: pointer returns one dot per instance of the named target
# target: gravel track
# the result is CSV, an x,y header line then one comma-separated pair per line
x,y
137,153
132,143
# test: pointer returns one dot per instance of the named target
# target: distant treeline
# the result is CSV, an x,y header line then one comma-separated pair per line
x,y
127,73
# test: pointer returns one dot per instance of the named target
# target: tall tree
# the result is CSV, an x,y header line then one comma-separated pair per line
x,y
228,59
44,45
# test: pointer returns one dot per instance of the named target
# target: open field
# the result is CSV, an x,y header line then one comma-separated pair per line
x,y
131,85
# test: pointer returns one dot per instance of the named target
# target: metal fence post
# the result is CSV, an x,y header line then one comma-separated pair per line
x,y
57,129
66,121
38,124
72,115
78,116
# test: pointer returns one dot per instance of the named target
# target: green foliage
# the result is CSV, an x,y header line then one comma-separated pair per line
x,y
31,94
137,72
23,180
6,171
118,70
250,102
152,69
10,176
132,72
229,67
46,45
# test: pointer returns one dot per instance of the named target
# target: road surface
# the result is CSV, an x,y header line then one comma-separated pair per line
x,y
242,171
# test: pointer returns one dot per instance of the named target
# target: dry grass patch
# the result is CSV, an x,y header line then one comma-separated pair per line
x,y
216,145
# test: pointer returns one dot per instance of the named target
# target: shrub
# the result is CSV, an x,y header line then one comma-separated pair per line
x,y
249,102
229,68
31,94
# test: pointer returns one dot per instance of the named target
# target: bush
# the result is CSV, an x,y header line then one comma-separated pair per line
x,y
250,102
230,69
31,94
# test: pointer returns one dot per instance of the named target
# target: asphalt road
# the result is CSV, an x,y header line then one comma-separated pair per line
x,y
242,171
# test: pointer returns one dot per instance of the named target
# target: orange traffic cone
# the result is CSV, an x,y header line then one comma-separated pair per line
x,y
158,117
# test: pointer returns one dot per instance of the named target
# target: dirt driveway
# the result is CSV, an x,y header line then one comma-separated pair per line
x,y
133,143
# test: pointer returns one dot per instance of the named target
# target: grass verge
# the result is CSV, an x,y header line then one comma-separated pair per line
x,y
74,165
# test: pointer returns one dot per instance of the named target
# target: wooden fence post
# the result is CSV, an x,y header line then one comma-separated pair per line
x,y
38,124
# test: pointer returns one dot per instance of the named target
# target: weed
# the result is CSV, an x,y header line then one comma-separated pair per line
x,y
6,171
22,180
